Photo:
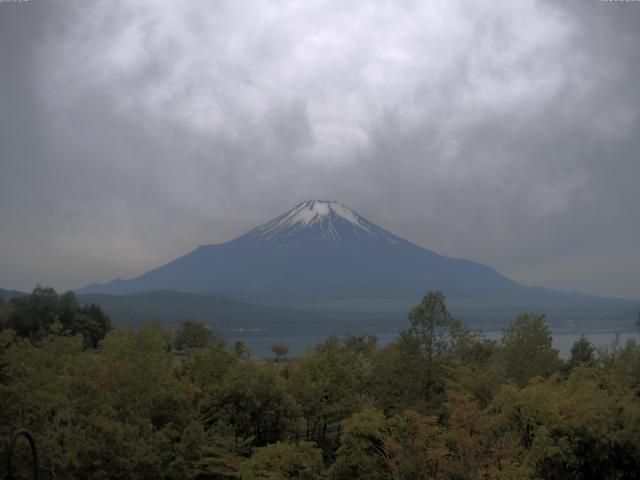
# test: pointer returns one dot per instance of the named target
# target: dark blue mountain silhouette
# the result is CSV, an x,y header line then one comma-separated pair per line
x,y
323,251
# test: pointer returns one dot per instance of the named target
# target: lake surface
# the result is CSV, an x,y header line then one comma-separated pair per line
x,y
261,341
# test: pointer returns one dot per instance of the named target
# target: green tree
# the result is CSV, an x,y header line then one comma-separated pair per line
x,y
280,350
470,347
44,312
467,438
364,448
426,343
527,349
192,335
241,349
199,453
5,313
97,329
477,367
396,377
582,353
33,314
360,344
207,367
431,325
253,399
582,428
623,363
280,461
417,446
120,412
328,385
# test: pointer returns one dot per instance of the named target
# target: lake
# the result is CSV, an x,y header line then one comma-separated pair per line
x,y
261,341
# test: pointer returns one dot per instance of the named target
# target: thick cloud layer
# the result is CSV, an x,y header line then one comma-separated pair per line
x,y
132,132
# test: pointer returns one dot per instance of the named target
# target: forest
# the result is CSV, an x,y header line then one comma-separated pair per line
x,y
440,402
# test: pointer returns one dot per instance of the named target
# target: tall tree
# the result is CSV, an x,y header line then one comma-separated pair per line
x,y
582,353
302,461
360,344
329,386
280,350
254,400
427,340
192,335
241,349
33,315
364,448
44,312
528,349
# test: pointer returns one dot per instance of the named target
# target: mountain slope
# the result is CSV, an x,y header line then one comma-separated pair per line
x,y
322,254
317,251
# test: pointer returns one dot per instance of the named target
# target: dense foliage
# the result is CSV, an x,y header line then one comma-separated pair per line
x,y
438,403
45,312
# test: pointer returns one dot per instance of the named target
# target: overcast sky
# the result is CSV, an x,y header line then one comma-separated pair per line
x,y
503,132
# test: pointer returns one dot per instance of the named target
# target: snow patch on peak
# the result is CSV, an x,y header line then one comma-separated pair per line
x,y
311,212
349,215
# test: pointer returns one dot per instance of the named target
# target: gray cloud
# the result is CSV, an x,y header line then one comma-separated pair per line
x,y
132,132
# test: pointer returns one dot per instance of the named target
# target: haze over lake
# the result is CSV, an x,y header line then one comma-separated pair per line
x,y
299,344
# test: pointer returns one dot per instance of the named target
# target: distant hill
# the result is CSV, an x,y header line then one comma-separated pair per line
x,y
355,317
7,295
224,314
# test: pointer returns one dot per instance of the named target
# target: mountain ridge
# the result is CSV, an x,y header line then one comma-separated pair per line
x,y
322,251
313,235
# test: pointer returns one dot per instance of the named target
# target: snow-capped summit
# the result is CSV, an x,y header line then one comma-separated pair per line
x,y
319,250
322,252
317,220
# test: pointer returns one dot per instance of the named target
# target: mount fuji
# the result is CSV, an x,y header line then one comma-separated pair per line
x,y
319,250
323,253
